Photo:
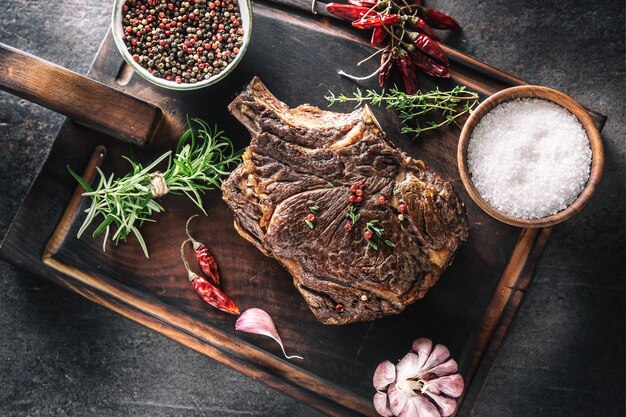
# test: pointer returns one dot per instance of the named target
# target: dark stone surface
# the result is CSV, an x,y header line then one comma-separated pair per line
x,y
564,355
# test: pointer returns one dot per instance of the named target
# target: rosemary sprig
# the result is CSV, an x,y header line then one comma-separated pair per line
x,y
451,105
202,159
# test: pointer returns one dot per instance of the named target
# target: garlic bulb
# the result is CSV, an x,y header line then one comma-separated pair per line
x,y
423,384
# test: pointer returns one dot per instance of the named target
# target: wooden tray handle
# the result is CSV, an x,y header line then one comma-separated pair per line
x,y
82,99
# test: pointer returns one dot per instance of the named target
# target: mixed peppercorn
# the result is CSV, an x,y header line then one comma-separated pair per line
x,y
372,228
408,26
182,41
310,218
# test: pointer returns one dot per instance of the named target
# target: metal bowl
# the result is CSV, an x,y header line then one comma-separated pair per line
x,y
531,91
245,9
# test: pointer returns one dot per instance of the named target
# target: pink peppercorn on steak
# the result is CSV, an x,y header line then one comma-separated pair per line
x,y
363,228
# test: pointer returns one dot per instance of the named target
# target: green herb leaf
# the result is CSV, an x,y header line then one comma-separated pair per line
x,y
372,244
371,226
390,243
104,225
309,223
354,215
80,180
314,209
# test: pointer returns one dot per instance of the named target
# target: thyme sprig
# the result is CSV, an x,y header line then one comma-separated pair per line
x,y
450,104
313,211
201,160
374,229
371,226
354,215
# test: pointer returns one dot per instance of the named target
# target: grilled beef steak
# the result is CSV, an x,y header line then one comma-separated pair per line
x,y
306,157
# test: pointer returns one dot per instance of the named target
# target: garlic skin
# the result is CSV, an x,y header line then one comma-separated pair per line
x,y
424,383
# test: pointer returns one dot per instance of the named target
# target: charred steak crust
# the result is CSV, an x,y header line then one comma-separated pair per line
x,y
305,157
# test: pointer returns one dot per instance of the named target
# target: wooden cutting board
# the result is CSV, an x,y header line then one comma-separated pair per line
x,y
297,56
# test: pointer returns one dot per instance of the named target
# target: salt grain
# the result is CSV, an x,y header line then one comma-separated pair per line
x,y
529,158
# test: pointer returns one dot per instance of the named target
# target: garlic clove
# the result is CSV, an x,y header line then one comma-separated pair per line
x,y
438,356
408,367
448,367
384,375
422,347
445,405
397,399
419,406
381,404
450,385
257,321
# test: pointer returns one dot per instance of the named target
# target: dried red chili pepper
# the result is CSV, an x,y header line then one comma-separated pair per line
x,y
425,63
205,258
386,65
347,11
421,25
438,20
425,44
413,30
212,295
378,36
377,21
409,76
209,293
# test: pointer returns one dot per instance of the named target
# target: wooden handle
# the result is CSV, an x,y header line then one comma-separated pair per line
x,y
82,99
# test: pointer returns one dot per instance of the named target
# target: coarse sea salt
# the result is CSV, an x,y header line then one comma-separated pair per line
x,y
529,158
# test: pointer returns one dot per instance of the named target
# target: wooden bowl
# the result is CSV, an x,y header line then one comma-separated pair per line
x,y
532,91
245,9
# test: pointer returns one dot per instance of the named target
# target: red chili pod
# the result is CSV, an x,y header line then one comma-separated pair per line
x,y
421,25
425,63
207,262
211,295
386,64
205,258
425,44
377,21
409,76
378,36
438,20
347,11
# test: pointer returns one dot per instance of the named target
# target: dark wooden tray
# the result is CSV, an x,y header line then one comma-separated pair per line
x,y
297,55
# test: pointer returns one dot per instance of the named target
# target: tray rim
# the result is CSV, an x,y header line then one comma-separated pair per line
x,y
506,299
